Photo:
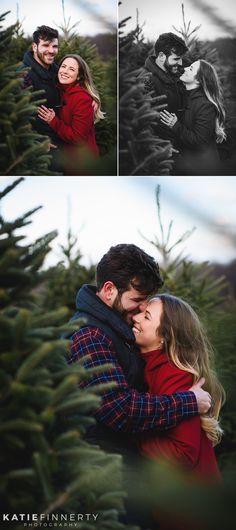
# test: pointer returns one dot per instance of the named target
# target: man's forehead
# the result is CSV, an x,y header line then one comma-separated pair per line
x,y
134,293
48,41
176,55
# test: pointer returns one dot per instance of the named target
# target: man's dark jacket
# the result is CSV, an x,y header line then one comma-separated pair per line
x,y
99,315
43,79
163,83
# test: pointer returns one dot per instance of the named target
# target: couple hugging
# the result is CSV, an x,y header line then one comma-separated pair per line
x,y
72,101
159,354
194,120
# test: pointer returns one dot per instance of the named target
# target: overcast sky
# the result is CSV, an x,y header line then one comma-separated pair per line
x,y
104,211
95,16
160,15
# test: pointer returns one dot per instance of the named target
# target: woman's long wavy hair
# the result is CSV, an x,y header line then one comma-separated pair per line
x,y
188,348
209,81
85,80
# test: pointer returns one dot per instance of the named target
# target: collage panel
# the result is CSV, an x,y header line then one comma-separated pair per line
x,y
177,87
58,87
117,297
117,264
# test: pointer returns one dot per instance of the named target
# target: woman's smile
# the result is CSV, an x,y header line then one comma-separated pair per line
x,y
68,71
136,330
146,326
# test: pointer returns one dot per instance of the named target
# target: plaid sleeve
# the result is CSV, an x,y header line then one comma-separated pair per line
x,y
124,408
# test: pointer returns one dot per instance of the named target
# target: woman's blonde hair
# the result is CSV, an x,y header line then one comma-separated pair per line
x,y
209,81
85,80
188,348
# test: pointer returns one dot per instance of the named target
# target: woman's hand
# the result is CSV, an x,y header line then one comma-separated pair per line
x,y
46,114
95,106
168,118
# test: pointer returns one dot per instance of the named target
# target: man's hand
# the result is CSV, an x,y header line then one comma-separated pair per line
x,y
95,106
46,114
169,119
203,398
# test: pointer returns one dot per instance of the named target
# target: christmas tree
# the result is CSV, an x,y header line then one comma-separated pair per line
x,y
142,152
61,282
22,150
47,468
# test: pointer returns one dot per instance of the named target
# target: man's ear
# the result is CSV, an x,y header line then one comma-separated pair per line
x,y
161,56
109,292
34,46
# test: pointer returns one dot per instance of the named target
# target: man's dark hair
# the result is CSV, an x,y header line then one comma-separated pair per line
x,y
44,33
170,43
129,266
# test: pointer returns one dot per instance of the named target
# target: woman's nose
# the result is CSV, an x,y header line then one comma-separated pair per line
x,y
136,318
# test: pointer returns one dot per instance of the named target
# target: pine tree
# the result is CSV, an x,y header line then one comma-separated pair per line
x,y
46,466
142,152
22,151
194,282
196,48
61,282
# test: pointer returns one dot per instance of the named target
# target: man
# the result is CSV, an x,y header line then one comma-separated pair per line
x,y
162,76
164,69
125,277
43,74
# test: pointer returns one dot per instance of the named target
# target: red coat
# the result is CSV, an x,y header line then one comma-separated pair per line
x,y
75,124
186,443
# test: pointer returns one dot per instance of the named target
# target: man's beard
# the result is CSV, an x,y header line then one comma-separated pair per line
x,y
42,59
175,70
126,315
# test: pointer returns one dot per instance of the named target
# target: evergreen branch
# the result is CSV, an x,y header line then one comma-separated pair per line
x,y
35,358
21,158
183,238
11,187
20,425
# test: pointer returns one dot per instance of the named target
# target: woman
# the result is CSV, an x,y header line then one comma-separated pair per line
x,y
75,123
202,125
176,354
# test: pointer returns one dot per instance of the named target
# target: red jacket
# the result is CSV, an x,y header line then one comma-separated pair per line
x,y
186,443
75,124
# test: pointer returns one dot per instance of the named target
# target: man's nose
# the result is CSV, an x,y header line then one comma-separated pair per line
x,y
180,62
142,306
